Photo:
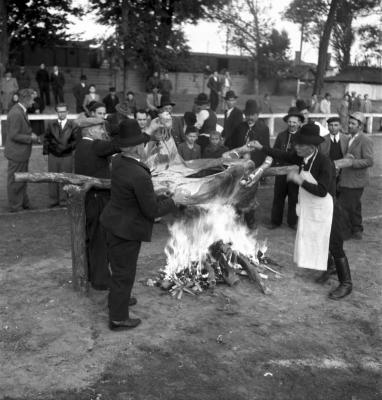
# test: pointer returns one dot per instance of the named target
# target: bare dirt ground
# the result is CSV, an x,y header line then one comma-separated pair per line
x,y
234,343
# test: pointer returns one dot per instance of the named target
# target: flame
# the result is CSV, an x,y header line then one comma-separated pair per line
x,y
190,238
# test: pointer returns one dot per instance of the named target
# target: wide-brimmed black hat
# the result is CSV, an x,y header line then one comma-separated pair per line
x,y
130,134
165,100
201,99
230,95
309,134
251,107
301,105
294,112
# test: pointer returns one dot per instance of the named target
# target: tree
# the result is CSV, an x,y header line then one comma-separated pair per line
x,y
250,30
324,44
33,22
309,15
149,33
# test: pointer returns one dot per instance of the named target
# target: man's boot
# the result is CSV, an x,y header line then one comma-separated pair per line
x,y
345,287
331,270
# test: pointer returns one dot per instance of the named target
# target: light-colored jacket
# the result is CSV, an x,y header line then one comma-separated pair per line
x,y
357,176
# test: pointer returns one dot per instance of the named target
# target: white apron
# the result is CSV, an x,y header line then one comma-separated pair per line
x,y
313,230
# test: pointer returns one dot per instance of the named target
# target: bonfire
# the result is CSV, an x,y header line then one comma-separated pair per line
x,y
209,245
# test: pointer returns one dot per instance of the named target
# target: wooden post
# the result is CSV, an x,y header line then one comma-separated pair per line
x,y
76,210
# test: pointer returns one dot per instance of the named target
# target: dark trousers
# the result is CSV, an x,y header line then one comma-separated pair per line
x,y
17,191
44,94
123,256
336,241
350,201
282,189
58,94
98,263
214,100
58,164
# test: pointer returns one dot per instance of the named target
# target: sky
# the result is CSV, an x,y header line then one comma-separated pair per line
x,y
208,37
197,34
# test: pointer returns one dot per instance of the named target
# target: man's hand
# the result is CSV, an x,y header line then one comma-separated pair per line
x,y
295,177
35,138
255,145
181,197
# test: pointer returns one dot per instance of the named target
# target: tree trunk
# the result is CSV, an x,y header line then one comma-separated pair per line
x,y
4,44
256,63
323,48
126,43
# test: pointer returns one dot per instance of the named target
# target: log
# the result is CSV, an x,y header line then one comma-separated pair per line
x,y
253,275
76,210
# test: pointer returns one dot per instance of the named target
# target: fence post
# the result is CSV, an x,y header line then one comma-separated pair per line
x,y
369,124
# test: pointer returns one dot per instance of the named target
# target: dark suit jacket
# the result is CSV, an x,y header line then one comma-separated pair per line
x,y
324,147
110,103
214,85
57,81
79,93
322,170
259,132
92,157
133,204
285,143
18,143
357,176
209,125
59,142
42,77
178,132
230,124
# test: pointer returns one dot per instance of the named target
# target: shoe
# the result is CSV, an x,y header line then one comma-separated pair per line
x,y
133,301
129,323
53,205
294,227
29,207
346,286
357,235
331,270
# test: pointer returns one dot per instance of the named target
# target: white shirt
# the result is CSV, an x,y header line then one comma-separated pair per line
x,y
229,112
352,139
201,116
22,106
62,122
335,138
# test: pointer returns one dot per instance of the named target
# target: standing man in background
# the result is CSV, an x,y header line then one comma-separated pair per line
x,y
42,79
23,78
57,81
18,148
232,118
59,143
214,85
354,179
79,92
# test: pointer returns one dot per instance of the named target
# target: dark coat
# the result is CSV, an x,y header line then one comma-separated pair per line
x,y
209,125
230,124
110,103
285,142
57,81
214,152
324,147
42,77
133,204
59,142
259,132
322,170
79,93
18,142
92,157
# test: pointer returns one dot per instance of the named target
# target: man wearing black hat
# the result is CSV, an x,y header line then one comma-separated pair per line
x,y
206,119
319,222
79,92
92,158
110,101
128,219
215,86
122,112
232,118
304,110
283,188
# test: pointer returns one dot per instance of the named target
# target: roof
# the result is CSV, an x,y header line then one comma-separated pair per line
x,y
358,75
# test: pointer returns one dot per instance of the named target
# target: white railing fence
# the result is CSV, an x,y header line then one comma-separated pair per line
x,y
269,119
